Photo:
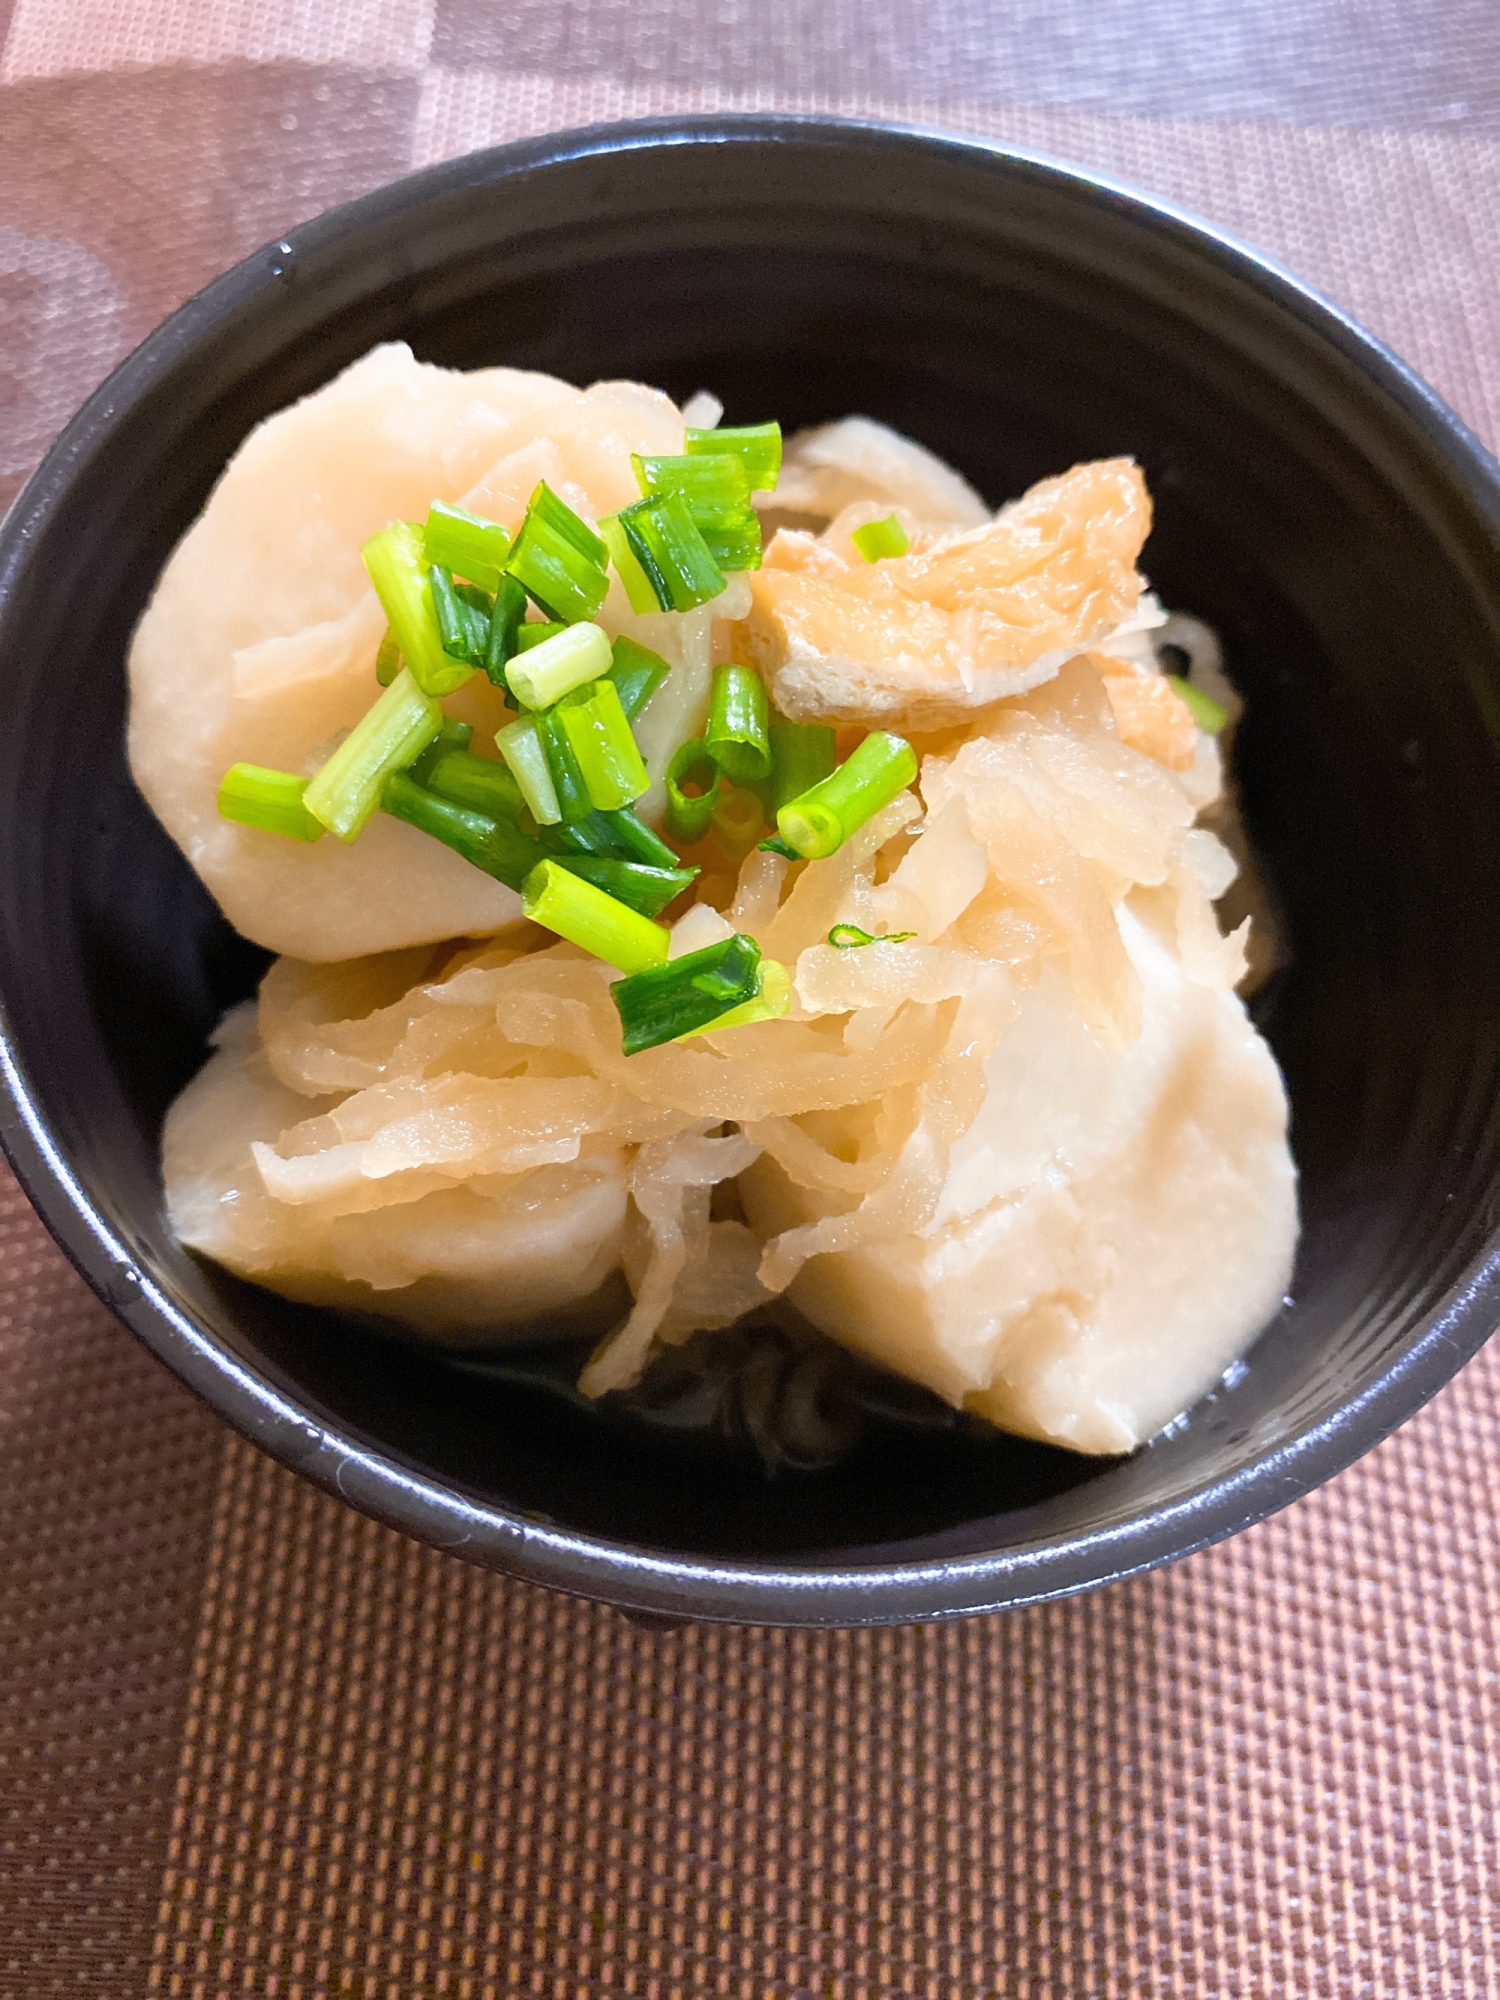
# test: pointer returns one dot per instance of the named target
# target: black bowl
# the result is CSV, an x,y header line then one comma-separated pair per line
x,y
1315,502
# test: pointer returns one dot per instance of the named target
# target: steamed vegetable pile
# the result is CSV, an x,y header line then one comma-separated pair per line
x,y
553,819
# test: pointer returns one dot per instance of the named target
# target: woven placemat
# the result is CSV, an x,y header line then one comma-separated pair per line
x,y
253,1744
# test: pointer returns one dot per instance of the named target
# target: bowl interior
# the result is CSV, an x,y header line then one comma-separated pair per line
x,y
1016,321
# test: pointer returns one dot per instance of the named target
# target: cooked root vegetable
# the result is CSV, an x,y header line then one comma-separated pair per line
x,y
945,997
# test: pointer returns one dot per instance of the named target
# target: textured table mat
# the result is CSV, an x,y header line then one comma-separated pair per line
x,y
252,1744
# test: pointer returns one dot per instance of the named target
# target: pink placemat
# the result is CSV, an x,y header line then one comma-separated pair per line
x,y
252,1744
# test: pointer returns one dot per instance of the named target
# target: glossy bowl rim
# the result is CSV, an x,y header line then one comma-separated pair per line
x,y
642,1581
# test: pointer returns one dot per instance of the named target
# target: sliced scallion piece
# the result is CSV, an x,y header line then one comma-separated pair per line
x,y
715,481
772,1000
592,835
452,736
725,970
758,446
477,782
387,738
398,571
688,813
463,624
547,506
520,744
671,1000
644,888
608,756
592,919
850,937
638,586
1206,712
505,629
545,673
803,754
466,543
715,488
666,543
537,633
736,543
478,607
637,841
567,780
637,673
252,795
387,659
498,846
616,835
774,844
737,734
559,559
819,822
878,539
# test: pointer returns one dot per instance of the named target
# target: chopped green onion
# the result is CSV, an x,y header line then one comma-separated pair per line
x,y
758,446
737,735
463,625
688,815
665,541
498,846
675,999
715,488
716,481
849,937
477,782
646,889
505,629
803,754
589,835
638,587
521,746
478,607
641,842
726,970
616,835
565,661
1207,713
394,561
562,580
538,632
387,659
772,1000
774,844
608,756
567,780
545,505
738,816
252,795
452,736
734,544
466,543
877,539
637,673
819,822
387,738
559,559
591,919
637,840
